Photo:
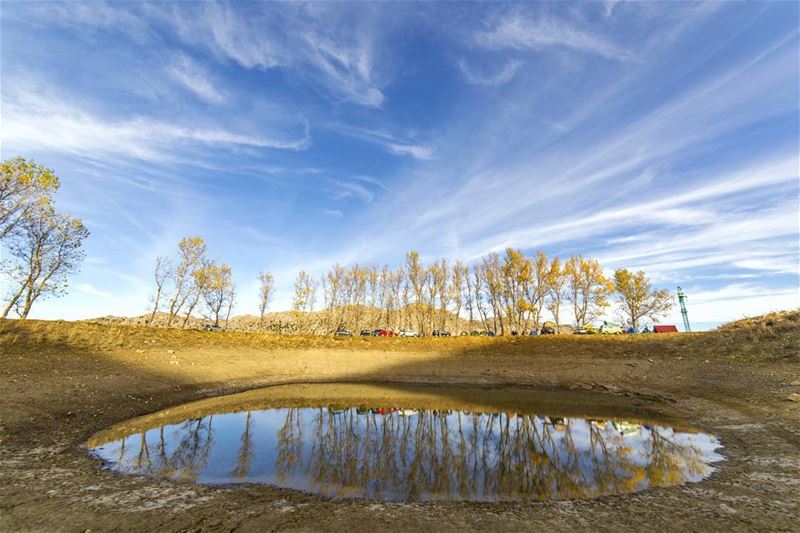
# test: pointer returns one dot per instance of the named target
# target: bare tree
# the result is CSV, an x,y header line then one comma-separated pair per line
x,y
230,301
303,301
160,274
479,283
217,289
491,277
417,275
471,296
266,289
459,278
47,248
192,256
436,282
202,277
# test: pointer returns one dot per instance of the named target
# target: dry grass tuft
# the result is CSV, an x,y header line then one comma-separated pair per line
x,y
768,325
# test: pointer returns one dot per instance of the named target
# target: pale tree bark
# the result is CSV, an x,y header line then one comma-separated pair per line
x,y
192,255
266,288
47,249
160,273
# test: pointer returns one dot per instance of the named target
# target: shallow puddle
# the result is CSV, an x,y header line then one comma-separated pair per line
x,y
412,444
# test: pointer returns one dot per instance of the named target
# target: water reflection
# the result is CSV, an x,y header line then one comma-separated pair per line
x,y
411,454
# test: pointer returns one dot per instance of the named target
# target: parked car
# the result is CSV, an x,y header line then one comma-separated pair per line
x,y
408,333
366,333
548,328
611,329
588,329
342,332
440,333
212,327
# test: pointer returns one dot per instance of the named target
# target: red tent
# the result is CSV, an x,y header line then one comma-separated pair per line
x,y
665,329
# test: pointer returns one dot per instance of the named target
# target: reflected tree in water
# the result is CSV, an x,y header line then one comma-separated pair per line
x,y
245,456
408,454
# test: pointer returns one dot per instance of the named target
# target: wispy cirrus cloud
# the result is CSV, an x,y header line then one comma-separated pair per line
x,y
349,189
330,48
523,32
192,76
414,150
682,124
40,121
392,143
335,213
339,59
493,79
373,181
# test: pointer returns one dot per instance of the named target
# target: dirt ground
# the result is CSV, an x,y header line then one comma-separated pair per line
x,y
61,382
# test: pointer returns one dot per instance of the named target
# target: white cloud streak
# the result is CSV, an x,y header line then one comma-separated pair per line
x,y
496,79
349,189
521,32
194,77
303,41
391,143
37,122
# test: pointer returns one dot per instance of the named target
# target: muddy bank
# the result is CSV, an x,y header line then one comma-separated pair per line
x,y
58,391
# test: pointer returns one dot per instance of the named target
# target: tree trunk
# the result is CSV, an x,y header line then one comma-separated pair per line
x,y
13,301
155,306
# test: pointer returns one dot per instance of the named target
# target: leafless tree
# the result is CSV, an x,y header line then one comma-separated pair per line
x,y
266,283
192,251
160,275
46,248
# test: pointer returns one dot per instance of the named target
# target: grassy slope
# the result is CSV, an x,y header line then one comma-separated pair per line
x,y
774,336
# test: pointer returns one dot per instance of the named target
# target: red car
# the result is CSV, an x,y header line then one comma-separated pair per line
x,y
383,333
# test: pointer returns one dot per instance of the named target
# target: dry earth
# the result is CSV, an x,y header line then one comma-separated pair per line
x,y
62,382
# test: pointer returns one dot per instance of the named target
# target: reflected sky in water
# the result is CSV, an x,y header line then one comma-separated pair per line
x,y
418,455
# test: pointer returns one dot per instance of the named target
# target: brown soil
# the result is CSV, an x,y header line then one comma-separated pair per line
x,y
62,382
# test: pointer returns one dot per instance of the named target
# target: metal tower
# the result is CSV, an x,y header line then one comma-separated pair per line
x,y
682,301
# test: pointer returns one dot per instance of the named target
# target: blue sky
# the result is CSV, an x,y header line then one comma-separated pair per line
x,y
647,135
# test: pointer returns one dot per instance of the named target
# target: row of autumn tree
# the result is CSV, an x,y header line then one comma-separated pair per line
x,y
502,293
42,247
